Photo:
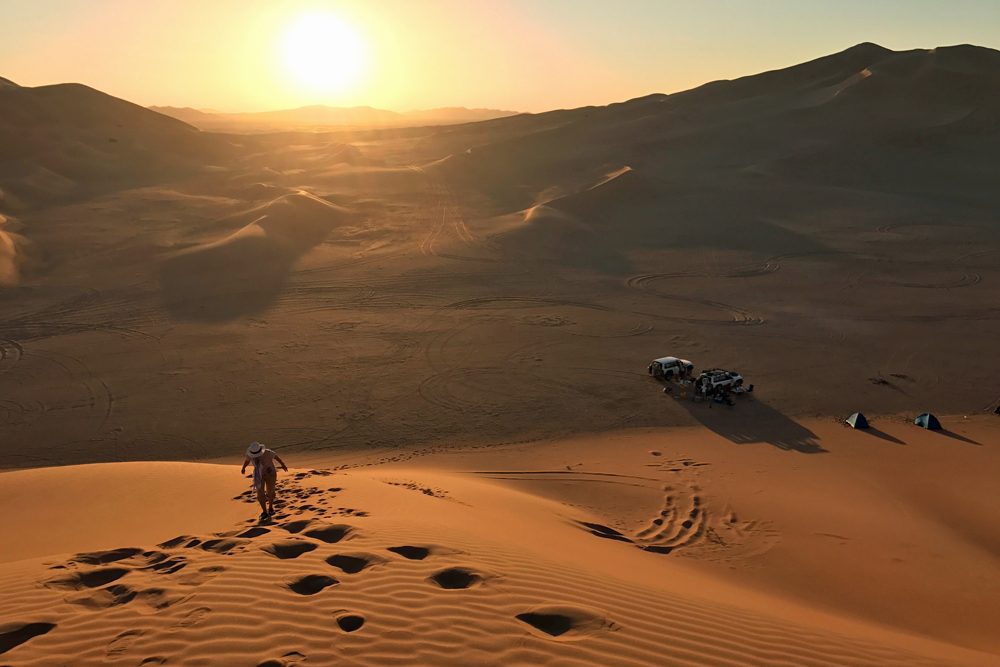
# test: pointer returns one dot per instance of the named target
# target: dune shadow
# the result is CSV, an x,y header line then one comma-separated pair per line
x,y
246,272
751,422
959,437
871,430
219,283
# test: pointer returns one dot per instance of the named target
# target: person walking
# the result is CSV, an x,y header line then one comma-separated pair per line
x,y
265,475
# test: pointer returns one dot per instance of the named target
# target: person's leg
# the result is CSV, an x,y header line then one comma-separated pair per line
x,y
261,498
271,483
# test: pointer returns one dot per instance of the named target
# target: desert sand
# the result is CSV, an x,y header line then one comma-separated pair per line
x,y
445,332
651,546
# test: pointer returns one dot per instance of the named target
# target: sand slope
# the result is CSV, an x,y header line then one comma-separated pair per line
x,y
385,566
68,140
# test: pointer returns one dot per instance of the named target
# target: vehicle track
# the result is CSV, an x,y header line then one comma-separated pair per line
x,y
514,301
885,229
763,268
96,395
965,280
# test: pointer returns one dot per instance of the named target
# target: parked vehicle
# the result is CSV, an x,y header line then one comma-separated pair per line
x,y
715,379
670,368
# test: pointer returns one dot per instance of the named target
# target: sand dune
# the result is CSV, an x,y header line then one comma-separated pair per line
x,y
819,111
69,140
11,245
260,255
417,564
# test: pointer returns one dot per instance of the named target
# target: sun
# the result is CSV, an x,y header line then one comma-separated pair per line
x,y
322,53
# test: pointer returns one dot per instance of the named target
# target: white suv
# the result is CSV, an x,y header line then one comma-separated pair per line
x,y
670,368
716,378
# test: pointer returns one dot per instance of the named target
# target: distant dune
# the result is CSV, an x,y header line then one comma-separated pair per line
x,y
259,254
856,118
62,141
320,117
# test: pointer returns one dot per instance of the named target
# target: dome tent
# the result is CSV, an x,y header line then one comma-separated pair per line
x,y
928,421
857,420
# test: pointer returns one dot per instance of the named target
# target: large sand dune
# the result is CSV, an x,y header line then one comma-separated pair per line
x,y
68,141
677,550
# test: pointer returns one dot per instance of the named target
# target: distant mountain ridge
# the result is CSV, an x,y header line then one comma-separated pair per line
x,y
320,116
867,118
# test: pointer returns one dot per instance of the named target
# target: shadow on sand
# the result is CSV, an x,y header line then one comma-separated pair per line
x,y
958,436
871,430
750,422
220,283
246,272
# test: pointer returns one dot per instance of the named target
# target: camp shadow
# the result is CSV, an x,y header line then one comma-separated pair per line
x,y
882,435
751,422
957,436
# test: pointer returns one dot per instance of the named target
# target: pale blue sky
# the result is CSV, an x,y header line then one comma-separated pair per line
x,y
519,54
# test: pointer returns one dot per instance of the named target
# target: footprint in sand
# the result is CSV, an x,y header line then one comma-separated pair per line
x,y
90,579
350,622
15,634
120,594
311,584
354,563
331,534
125,557
256,531
565,623
162,563
181,541
159,598
454,578
105,598
222,545
219,545
287,549
411,553
190,619
298,526
288,660
122,643
201,576
105,557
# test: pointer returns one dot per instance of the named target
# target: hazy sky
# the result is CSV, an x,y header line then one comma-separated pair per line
x,y
526,55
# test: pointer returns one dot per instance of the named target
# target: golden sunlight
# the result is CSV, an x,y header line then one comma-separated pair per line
x,y
322,53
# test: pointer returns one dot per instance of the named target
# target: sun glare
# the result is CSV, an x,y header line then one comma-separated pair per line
x,y
322,53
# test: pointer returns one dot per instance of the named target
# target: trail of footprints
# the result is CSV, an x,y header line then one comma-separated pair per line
x,y
151,577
